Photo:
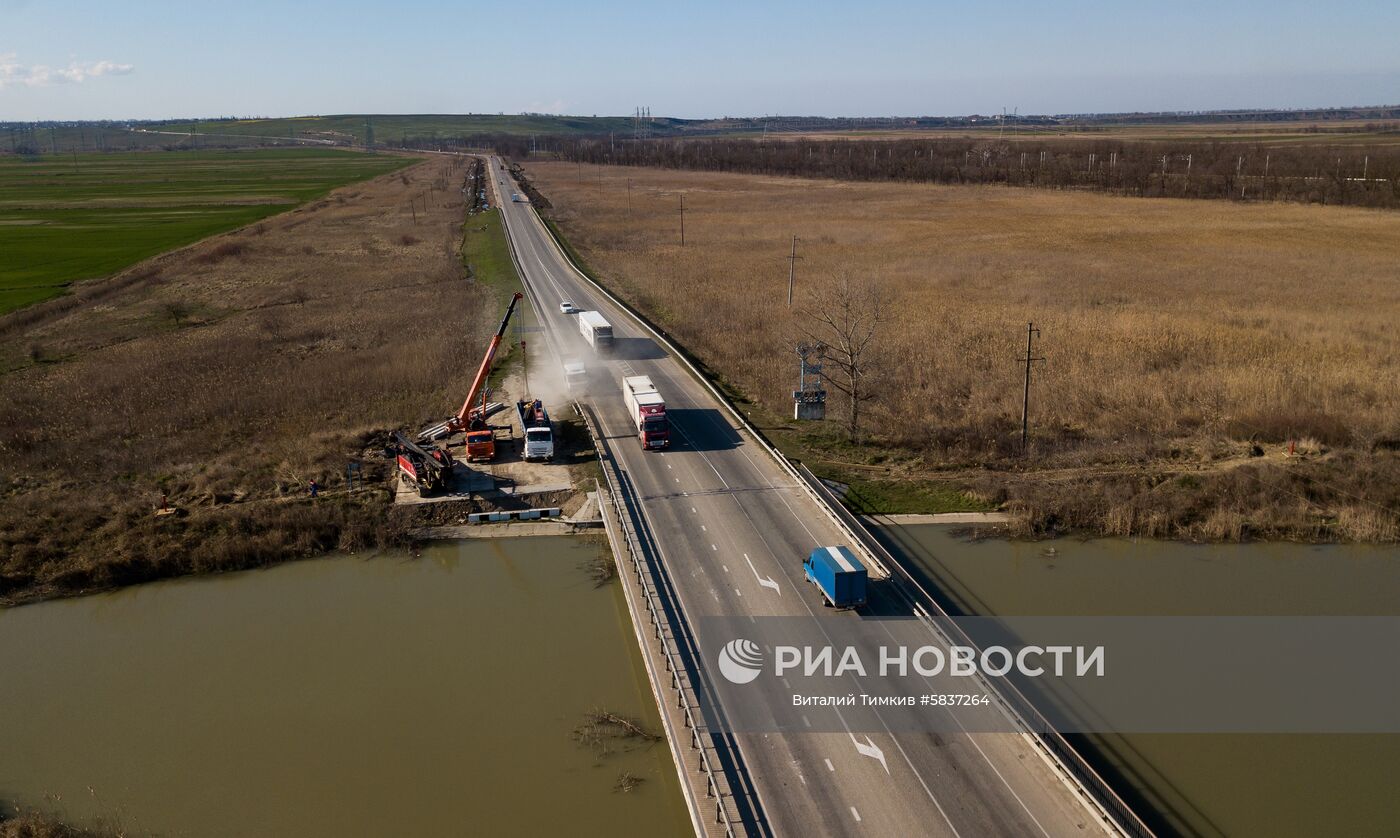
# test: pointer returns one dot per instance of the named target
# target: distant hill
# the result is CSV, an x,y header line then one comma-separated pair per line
x,y
458,130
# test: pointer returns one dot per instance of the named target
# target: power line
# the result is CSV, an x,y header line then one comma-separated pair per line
x,y
792,269
1031,334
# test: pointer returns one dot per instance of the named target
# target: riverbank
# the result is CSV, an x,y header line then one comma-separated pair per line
x,y
347,696
175,427
1266,785
1168,407
32,824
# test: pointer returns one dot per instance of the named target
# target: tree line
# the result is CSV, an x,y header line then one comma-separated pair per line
x,y
1352,175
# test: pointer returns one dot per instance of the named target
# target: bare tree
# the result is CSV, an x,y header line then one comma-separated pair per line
x,y
845,317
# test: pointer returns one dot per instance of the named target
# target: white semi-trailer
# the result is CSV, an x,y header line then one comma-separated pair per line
x,y
597,331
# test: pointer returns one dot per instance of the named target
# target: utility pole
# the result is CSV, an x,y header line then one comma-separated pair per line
x,y
682,220
629,197
792,269
1031,334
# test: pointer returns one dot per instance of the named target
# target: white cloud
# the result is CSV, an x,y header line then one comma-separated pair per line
x,y
41,75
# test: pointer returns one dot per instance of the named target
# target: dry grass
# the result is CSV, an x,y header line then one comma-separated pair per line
x,y
282,366
1178,334
26,824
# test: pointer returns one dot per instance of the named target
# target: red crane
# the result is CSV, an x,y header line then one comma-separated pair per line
x,y
481,440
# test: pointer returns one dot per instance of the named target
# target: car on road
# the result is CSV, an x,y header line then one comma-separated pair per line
x,y
575,374
566,307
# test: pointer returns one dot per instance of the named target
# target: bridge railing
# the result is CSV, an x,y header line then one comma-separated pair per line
x,y
1020,708
658,619
685,361
1117,812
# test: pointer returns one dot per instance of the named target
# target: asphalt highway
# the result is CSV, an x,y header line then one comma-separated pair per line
x,y
733,528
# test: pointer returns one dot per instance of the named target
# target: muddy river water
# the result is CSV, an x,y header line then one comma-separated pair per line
x,y
380,696
1216,784
440,695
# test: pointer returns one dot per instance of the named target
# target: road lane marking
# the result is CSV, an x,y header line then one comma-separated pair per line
x,y
805,722
704,528
737,593
692,509
857,814
765,581
713,547
870,749
829,766
548,276
987,759
726,567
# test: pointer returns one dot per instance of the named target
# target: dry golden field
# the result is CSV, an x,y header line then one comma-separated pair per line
x,y
1178,336
224,377
1371,132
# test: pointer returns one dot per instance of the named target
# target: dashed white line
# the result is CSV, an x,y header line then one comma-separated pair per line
x,y
713,547
726,567
704,528
806,722
829,766
737,593
855,814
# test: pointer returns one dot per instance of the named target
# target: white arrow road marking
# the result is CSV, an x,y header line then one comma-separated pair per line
x,y
765,581
870,749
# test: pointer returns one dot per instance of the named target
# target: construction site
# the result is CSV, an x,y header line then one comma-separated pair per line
x,y
503,460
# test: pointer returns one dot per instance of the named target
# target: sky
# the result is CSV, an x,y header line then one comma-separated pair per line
x,y
150,59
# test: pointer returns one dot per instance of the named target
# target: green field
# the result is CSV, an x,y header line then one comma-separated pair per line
x,y
391,129
64,219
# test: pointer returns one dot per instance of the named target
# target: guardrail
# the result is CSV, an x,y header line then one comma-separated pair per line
x,y
630,541
660,335
1115,810
612,474
1020,708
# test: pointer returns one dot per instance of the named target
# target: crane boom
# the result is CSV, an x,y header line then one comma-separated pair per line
x,y
463,417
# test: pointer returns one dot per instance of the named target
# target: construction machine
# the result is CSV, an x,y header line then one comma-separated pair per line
x,y
471,419
428,470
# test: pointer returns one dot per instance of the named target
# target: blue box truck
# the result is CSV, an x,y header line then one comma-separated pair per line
x,y
839,574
